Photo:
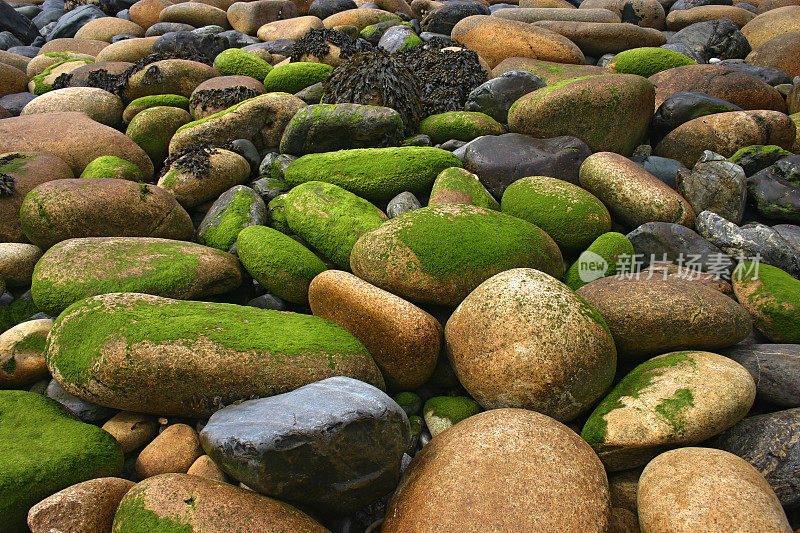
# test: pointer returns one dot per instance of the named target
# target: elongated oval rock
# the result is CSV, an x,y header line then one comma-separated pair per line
x,y
633,195
648,316
439,254
156,355
561,351
608,113
101,207
78,268
675,399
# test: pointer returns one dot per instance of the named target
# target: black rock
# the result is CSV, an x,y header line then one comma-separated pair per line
x,y
13,103
86,411
312,94
162,28
663,168
665,241
443,18
28,11
279,46
47,16
495,97
7,40
69,24
682,107
17,24
770,75
335,445
714,38
775,369
268,301
248,150
770,443
27,51
237,39
188,42
775,191
500,160
326,8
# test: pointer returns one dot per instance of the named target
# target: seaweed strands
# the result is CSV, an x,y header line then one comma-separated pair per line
x,y
316,43
220,98
196,160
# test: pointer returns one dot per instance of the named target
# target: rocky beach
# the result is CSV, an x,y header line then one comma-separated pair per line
x,y
424,266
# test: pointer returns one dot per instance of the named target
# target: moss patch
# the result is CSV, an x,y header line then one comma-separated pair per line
x,y
134,517
775,295
457,185
647,61
609,247
224,227
17,312
294,77
109,166
237,62
459,125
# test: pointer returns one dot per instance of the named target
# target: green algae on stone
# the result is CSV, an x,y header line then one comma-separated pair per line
x,y
277,214
42,83
238,62
145,102
648,60
153,128
572,216
758,157
157,355
17,312
409,401
374,173
109,166
46,449
459,186
330,218
133,516
599,260
442,412
772,297
294,77
459,125
278,262
223,222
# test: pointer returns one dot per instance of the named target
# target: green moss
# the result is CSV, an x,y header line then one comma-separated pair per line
x,y
134,517
277,214
222,230
544,91
456,185
460,125
294,77
46,449
646,61
279,263
672,408
777,299
409,401
374,173
17,312
633,385
32,343
453,408
219,114
40,86
609,247
330,218
17,164
10,366
573,217
237,62
145,102
109,166
153,128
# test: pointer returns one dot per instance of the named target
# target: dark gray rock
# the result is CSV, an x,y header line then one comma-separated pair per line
x,y
419,139
13,103
715,184
27,51
770,75
187,41
69,24
122,37
162,28
500,160
279,46
757,157
664,241
326,8
685,106
248,150
28,11
47,16
268,301
714,38
771,443
663,168
86,411
398,38
211,29
124,14
329,127
452,145
269,188
7,40
17,24
688,4
750,241
775,369
791,233
775,191
442,19
495,97
748,6
256,215
238,39
402,204
312,94
335,445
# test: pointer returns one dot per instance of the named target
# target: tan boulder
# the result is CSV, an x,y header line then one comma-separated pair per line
x,y
360,18
643,13
14,60
128,50
145,13
535,14
191,187
12,80
17,261
195,14
131,430
205,467
248,17
771,24
548,71
40,63
170,76
22,354
291,29
101,106
623,486
80,76
680,18
781,52
90,47
106,28
215,94
598,38
173,451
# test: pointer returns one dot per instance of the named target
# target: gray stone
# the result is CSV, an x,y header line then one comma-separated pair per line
x,y
69,24
278,46
229,206
757,157
7,40
771,443
162,28
688,4
14,103
269,188
791,233
189,42
312,94
237,39
750,241
402,204
398,38
334,445
48,16
17,24
775,191
685,106
663,168
495,97
86,411
771,75
248,150
717,185
675,243
714,38
775,369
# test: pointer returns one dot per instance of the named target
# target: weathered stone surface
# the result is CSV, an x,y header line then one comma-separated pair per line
x,y
684,106
191,184
563,355
16,263
458,482
772,297
356,434
681,18
702,41
101,106
496,96
664,241
22,353
775,369
675,399
248,17
715,185
772,23
237,208
779,52
696,489
131,430
174,450
648,316
549,71
169,76
775,191
598,38
141,355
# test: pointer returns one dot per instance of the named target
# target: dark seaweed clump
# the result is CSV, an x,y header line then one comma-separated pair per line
x,y
7,185
377,78
317,43
62,81
196,160
220,98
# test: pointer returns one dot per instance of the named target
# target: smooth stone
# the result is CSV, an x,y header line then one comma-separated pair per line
x,y
206,44
129,50
771,24
675,399
459,125
89,412
235,209
756,158
684,106
675,313
774,193
696,489
72,21
769,75
291,29
69,44
598,38
222,92
357,433
717,185
131,430
548,71
145,12
679,19
775,369
193,185
780,52
248,17
22,353
101,106
170,76
442,18
153,367
174,450
106,28
14,103
402,204
648,60
668,271
196,14
162,28
152,129
665,241
326,8
535,14
17,24
496,96
80,76
205,467
17,261
714,39
770,296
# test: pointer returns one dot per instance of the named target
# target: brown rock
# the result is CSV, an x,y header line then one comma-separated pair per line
x,y
12,80
14,60
128,50
655,316
623,486
496,39
101,106
470,479
90,47
173,451
247,17
145,13
769,5
782,52
195,14
360,18
703,489
54,133
190,189
548,71
291,29
546,3
101,207
87,506
131,430
669,271
771,24
725,133
22,354
403,339
17,261
733,85
201,108
535,14
643,13
106,28
170,76
207,468
680,18
598,38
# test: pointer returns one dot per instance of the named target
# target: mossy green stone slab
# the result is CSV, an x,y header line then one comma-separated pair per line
x,y
156,355
459,125
46,449
648,60
235,61
772,297
294,77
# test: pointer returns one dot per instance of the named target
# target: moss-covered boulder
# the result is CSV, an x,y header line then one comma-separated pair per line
x,y
41,83
46,449
277,214
648,60
374,173
17,312
456,185
608,113
140,353
111,166
675,399
71,208
330,218
459,125
237,208
78,268
602,258
294,77
140,104
442,412
572,216
279,263
153,128
439,254
237,62
198,175
772,297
